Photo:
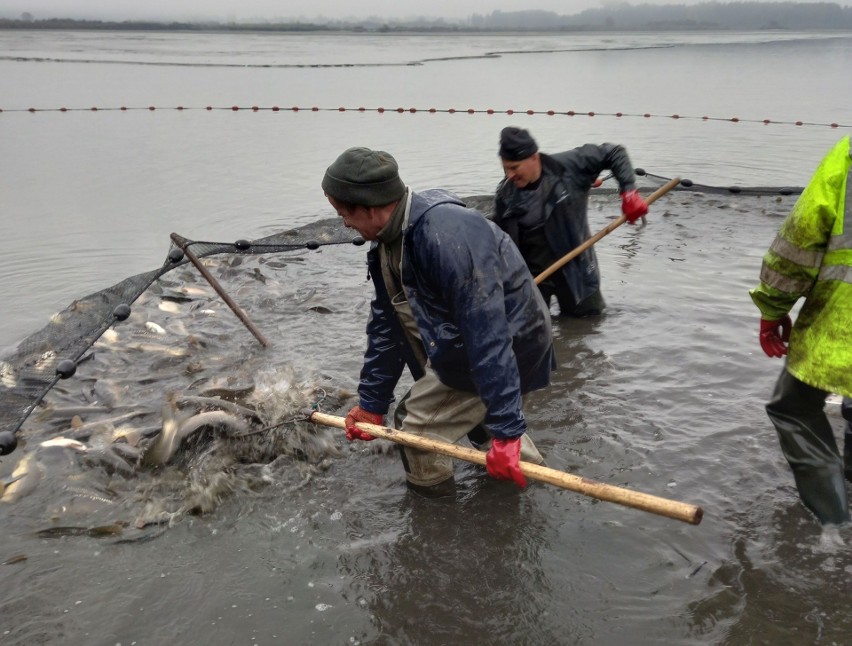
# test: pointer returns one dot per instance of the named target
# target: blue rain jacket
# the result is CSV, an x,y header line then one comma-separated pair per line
x,y
483,323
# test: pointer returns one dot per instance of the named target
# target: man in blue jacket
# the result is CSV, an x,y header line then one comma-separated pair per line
x,y
541,203
455,303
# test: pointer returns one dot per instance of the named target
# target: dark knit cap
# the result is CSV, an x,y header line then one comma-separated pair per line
x,y
364,177
516,144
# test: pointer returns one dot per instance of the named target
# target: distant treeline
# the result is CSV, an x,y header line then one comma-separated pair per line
x,y
741,16
146,25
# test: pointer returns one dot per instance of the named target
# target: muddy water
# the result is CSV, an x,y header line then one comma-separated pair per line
x,y
318,540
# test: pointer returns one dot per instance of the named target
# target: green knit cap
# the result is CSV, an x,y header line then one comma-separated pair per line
x,y
364,177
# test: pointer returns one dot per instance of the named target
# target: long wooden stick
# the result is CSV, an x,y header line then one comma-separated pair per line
x,y
612,226
236,309
646,502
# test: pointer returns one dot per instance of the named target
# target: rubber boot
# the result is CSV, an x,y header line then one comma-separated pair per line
x,y
807,441
846,411
445,489
594,305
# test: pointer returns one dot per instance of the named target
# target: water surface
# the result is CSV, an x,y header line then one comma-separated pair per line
x,y
664,394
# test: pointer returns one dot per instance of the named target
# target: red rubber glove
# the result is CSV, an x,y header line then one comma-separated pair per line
x,y
502,461
774,336
633,206
358,414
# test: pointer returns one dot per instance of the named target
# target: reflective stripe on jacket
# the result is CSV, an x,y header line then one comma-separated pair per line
x,y
811,257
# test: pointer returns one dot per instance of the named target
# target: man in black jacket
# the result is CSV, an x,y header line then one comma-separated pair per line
x,y
541,204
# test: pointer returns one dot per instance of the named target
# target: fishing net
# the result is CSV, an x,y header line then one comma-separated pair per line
x,y
39,361
51,354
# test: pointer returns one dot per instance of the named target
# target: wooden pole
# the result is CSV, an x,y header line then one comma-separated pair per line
x,y
612,226
646,502
236,309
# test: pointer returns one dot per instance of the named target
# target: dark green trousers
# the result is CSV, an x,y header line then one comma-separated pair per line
x,y
807,440
846,411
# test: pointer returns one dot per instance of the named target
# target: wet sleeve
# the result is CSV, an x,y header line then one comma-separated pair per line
x,y
383,361
587,162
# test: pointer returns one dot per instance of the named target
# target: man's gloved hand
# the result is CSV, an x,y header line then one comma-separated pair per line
x,y
633,206
502,461
358,414
774,336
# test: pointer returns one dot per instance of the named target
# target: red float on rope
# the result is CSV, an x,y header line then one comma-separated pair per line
x,y
235,108
675,116
551,112
617,114
315,109
180,108
62,109
380,110
570,113
209,108
295,108
766,121
647,115
471,111
94,109
254,108
735,119
530,111
433,110
275,108
30,109
489,111
834,125
400,110
341,109
705,117
362,109
798,123
151,108
452,110
591,114
412,110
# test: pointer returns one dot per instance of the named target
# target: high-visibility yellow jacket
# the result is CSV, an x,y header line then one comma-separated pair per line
x,y
811,257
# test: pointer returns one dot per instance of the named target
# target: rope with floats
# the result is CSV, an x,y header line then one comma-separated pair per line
x,y
401,110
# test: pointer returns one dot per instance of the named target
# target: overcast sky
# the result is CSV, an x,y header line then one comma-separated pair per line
x,y
240,10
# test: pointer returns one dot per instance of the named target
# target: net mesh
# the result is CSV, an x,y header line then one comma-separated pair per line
x,y
37,363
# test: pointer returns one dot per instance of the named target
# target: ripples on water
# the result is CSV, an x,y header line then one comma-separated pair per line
x,y
664,395
118,182
317,50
